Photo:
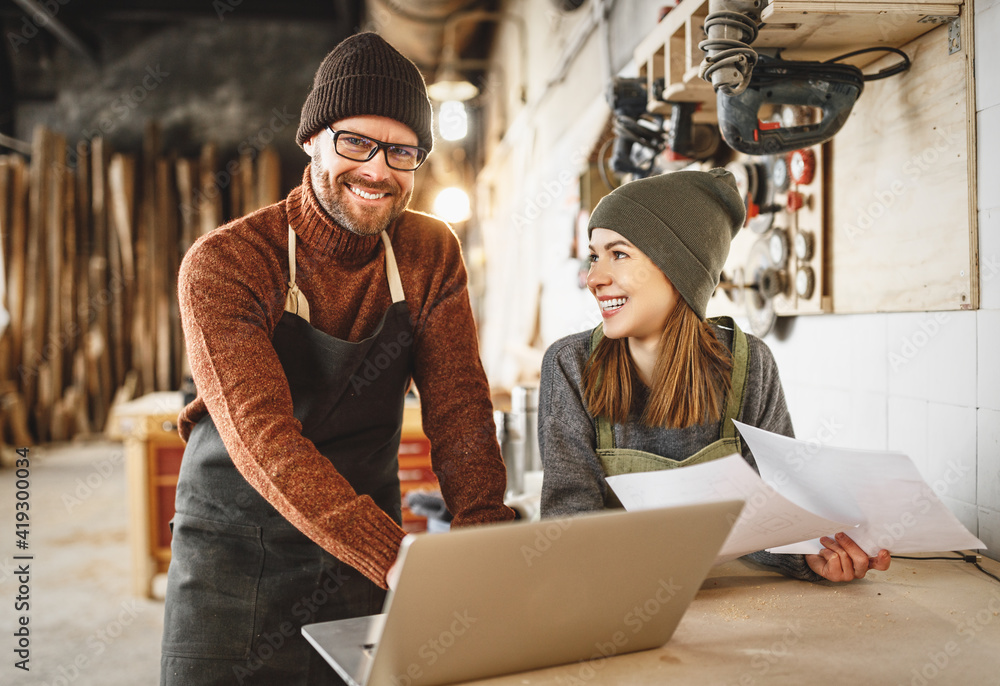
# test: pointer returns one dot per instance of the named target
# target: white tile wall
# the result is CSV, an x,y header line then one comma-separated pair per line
x,y
966,513
951,356
987,28
869,421
905,344
989,258
982,6
951,449
907,428
987,52
816,352
988,359
869,363
988,142
822,412
989,529
988,457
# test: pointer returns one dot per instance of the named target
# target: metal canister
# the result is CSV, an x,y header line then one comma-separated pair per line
x,y
520,437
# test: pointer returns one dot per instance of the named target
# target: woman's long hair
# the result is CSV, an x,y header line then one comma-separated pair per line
x,y
691,377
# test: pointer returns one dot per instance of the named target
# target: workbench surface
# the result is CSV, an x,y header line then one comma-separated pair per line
x,y
922,623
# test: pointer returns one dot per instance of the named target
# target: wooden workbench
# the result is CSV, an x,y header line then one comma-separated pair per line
x,y
925,623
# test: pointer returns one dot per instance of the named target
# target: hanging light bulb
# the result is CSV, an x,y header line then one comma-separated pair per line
x,y
453,122
452,205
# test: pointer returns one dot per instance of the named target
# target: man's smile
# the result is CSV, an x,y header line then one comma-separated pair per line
x,y
365,194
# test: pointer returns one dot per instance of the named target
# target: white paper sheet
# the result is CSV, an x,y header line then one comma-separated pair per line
x,y
897,509
768,519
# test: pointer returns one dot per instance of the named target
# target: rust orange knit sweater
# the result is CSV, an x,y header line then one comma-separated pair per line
x,y
232,287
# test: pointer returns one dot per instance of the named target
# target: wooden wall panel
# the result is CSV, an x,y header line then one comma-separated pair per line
x,y
902,192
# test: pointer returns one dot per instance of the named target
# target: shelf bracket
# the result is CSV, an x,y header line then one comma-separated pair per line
x,y
954,30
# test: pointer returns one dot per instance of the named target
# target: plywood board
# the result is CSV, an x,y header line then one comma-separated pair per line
x,y
902,218
823,30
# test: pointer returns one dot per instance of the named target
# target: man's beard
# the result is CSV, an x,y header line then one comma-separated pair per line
x,y
331,194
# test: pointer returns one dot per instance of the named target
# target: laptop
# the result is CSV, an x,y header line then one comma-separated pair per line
x,y
484,601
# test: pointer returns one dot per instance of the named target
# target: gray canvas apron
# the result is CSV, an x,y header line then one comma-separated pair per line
x,y
243,580
616,460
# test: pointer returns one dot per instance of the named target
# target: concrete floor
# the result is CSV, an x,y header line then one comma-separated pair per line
x,y
86,626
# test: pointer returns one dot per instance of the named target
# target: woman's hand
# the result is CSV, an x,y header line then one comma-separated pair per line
x,y
844,560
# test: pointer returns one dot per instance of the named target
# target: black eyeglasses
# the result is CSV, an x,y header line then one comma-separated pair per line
x,y
360,148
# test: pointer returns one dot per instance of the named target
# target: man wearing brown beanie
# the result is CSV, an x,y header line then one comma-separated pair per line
x,y
305,323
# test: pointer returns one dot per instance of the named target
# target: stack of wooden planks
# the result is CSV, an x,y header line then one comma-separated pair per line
x,y
91,243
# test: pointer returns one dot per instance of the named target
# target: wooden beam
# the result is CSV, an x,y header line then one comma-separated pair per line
x,y
15,266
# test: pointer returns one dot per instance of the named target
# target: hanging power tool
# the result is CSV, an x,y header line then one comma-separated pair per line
x,y
641,136
744,81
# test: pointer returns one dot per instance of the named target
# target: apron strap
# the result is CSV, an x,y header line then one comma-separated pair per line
x,y
392,271
605,434
738,375
295,300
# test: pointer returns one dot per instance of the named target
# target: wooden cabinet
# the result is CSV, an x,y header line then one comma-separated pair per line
x,y
415,473
153,452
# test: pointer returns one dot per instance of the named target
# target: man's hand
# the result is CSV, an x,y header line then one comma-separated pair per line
x,y
844,560
392,576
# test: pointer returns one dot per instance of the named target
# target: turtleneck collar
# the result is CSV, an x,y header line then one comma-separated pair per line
x,y
314,226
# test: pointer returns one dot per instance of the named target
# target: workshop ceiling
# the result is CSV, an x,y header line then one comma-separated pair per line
x,y
416,27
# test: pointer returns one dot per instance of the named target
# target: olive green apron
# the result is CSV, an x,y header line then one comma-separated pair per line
x,y
616,460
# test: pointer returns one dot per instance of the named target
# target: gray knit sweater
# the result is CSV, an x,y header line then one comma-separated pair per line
x,y
573,477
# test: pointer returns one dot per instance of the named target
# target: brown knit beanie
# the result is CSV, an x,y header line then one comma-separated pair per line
x,y
364,75
683,221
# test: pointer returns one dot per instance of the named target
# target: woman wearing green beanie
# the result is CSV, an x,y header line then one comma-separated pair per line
x,y
656,385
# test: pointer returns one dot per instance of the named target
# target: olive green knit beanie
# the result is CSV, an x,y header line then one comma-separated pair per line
x,y
683,221
364,75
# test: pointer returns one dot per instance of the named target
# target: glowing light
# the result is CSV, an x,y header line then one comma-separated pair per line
x,y
452,205
453,123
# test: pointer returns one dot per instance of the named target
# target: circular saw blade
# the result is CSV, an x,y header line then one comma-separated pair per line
x,y
760,308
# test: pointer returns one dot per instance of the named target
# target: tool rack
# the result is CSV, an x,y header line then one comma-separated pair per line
x,y
890,228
